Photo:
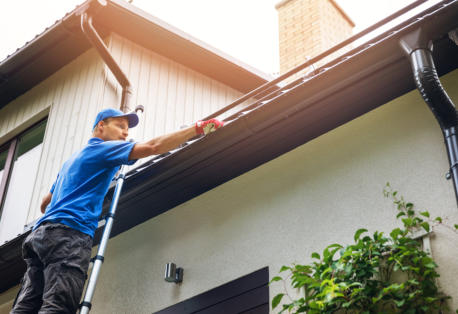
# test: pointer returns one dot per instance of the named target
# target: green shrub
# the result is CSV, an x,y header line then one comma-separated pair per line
x,y
377,274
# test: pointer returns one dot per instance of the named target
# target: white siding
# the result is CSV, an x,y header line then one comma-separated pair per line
x,y
172,94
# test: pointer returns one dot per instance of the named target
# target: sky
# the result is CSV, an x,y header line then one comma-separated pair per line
x,y
244,29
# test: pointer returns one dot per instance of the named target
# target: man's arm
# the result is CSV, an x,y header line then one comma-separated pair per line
x,y
45,202
166,143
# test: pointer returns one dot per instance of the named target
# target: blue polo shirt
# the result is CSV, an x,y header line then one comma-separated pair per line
x,y
83,182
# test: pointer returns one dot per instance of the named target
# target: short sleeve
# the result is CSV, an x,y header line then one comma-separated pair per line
x,y
54,185
115,153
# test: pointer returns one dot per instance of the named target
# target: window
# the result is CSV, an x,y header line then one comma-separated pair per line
x,y
18,168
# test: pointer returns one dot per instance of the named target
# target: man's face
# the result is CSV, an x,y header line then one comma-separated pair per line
x,y
113,129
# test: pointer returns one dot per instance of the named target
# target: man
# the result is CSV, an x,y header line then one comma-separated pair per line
x,y
57,251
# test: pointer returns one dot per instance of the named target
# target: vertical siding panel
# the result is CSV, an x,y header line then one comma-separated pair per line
x,y
92,88
213,96
170,110
198,99
12,121
20,114
65,106
142,93
222,96
56,122
33,213
160,112
207,89
150,125
135,74
80,108
71,114
189,100
65,141
181,98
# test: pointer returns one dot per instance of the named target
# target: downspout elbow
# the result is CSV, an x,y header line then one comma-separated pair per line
x,y
97,42
419,49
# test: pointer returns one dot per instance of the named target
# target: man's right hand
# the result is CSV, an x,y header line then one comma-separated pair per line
x,y
208,126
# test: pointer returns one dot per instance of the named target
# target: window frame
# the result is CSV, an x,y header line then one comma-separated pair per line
x,y
11,146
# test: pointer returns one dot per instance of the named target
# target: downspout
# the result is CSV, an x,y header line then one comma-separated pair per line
x,y
418,47
94,38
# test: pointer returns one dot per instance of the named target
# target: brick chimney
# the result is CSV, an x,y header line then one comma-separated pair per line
x,y
309,27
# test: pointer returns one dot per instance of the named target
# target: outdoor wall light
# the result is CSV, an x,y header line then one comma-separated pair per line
x,y
173,274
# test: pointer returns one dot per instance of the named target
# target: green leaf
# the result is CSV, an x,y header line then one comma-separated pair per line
x,y
425,213
316,255
430,299
358,234
395,233
408,222
399,303
276,300
283,268
277,278
456,227
439,219
425,226
401,214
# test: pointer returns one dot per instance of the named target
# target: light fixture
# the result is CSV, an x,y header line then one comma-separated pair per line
x,y
173,274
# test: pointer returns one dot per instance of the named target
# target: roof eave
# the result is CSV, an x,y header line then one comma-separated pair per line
x,y
63,42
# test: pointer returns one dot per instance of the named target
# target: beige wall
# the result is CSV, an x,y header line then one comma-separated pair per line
x,y
172,94
281,212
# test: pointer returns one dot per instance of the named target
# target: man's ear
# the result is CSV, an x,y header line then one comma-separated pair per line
x,y
99,127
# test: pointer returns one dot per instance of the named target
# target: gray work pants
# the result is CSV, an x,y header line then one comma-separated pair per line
x,y
57,259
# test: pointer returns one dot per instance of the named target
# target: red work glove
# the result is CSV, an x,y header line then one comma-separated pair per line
x,y
208,126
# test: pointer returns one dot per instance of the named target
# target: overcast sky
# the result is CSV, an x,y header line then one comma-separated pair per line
x,y
244,29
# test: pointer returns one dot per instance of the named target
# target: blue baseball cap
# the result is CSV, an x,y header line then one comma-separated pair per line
x,y
115,113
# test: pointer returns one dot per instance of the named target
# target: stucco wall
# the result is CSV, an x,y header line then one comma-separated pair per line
x,y
281,212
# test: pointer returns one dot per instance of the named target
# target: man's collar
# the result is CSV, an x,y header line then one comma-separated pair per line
x,y
95,140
